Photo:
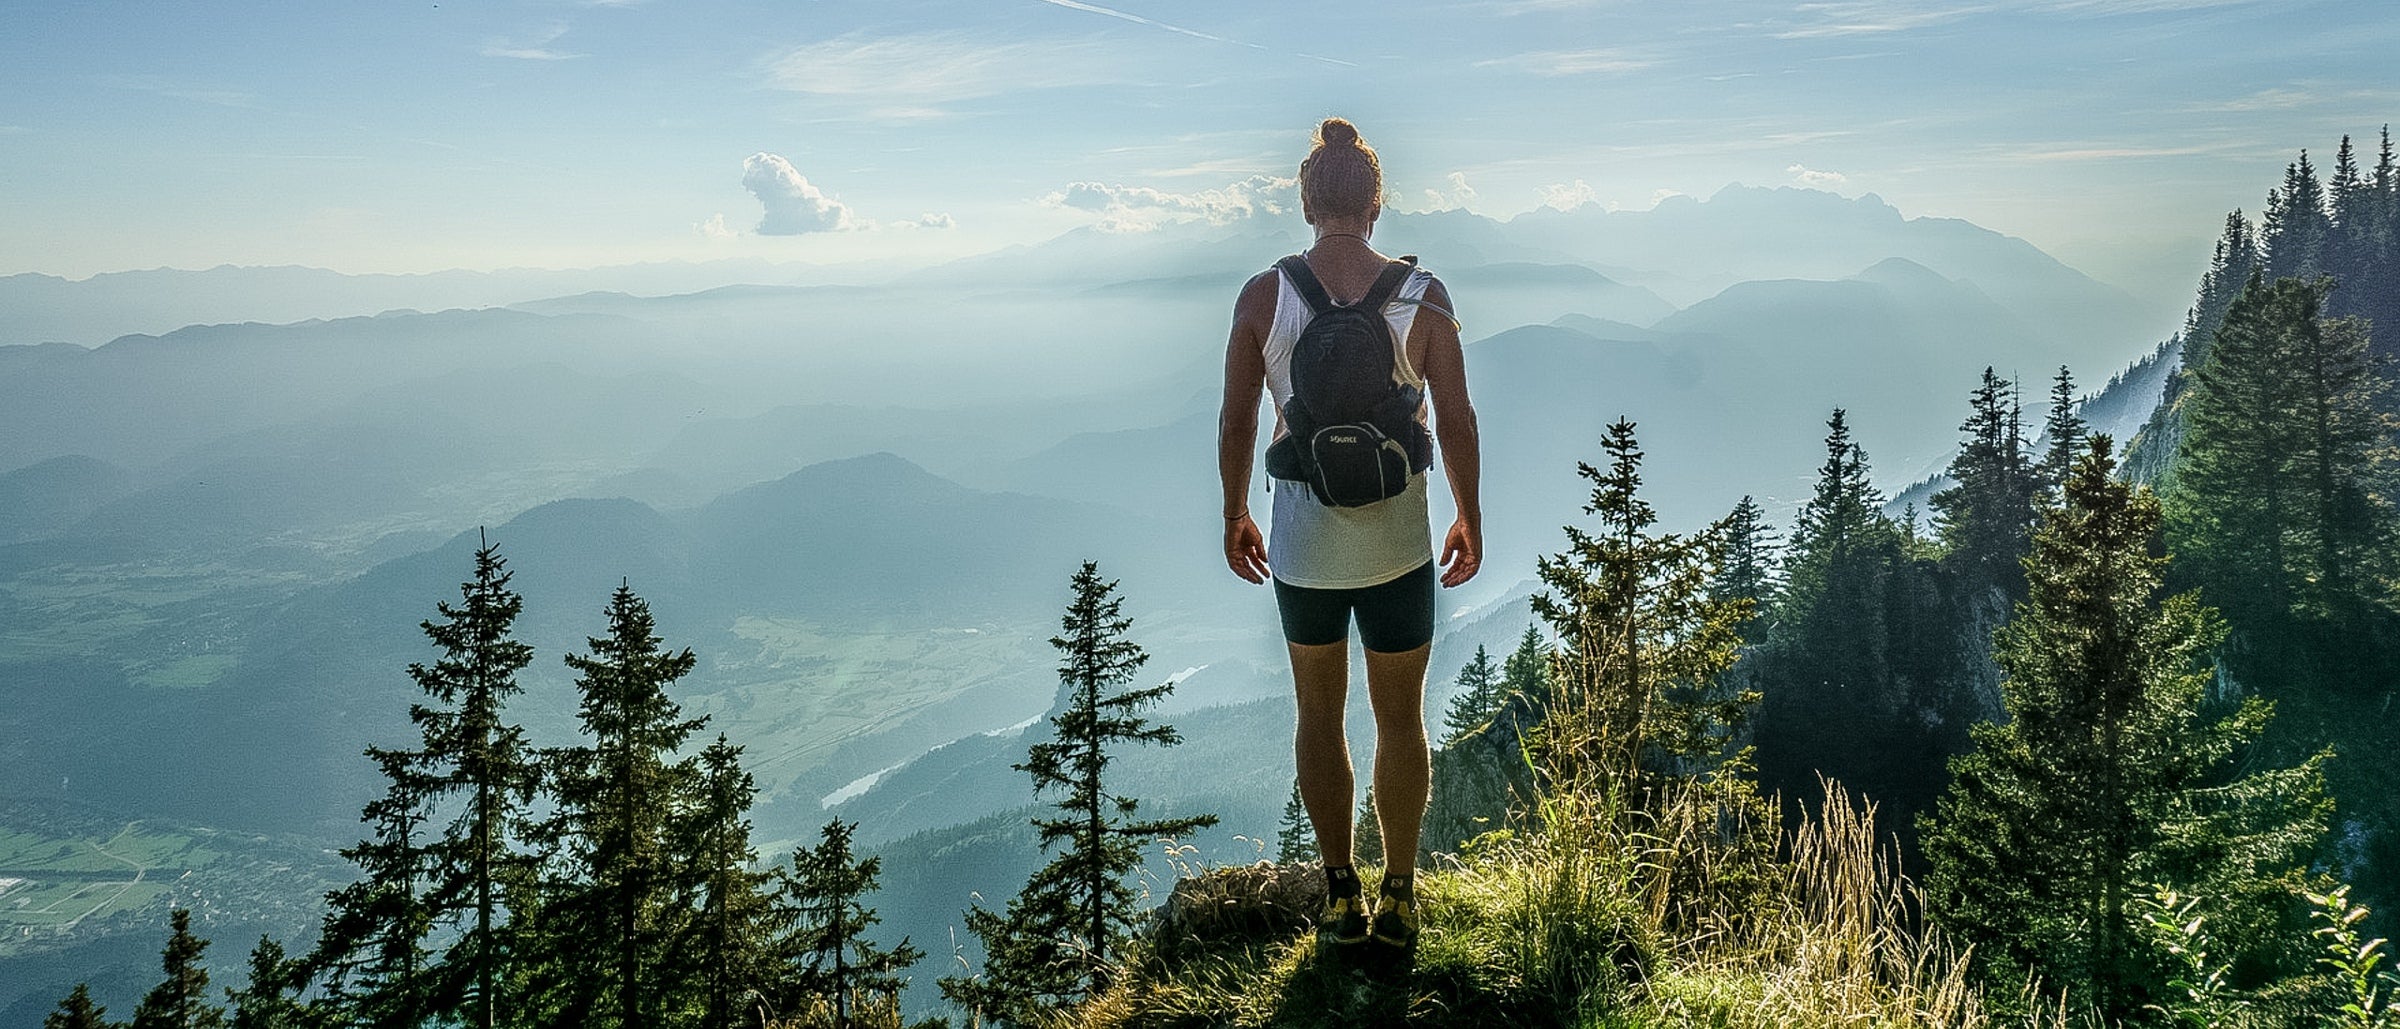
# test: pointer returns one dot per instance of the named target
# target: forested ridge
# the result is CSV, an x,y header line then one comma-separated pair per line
x,y
2087,741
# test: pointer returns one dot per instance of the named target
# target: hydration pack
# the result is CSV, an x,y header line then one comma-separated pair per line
x,y
1352,429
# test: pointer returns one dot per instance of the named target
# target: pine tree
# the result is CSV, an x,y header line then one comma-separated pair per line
x,y
1366,841
2063,430
2237,259
2350,228
1985,518
77,1012
2230,267
1296,838
1642,645
728,954
2376,289
832,958
371,952
1055,942
1830,660
1477,700
2295,226
1747,571
2107,775
1862,674
1526,673
614,905
180,1001
2271,508
270,999
471,752
1643,731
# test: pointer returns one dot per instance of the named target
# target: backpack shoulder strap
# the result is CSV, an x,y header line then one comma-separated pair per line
x,y
1304,282
1388,283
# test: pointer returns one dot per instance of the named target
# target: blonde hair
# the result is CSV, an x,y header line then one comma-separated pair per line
x,y
1340,176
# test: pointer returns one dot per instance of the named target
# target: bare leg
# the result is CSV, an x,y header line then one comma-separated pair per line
x,y
1403,756
1320,750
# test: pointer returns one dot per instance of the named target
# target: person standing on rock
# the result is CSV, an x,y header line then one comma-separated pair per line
x,y
1353,347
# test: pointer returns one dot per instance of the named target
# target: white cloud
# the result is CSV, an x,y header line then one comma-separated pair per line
x,y
1140,208
1567,196
533,48
1873,17
1457,196
911,76
2048,152
714,227
1553,63
793,205
1808,176
928,221
2276,99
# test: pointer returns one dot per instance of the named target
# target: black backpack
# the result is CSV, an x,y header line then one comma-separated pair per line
x,y
1353,434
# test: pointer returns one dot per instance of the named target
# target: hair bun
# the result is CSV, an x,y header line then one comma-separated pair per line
x,y
1337,132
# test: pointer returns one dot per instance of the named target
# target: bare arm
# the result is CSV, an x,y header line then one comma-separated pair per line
x,y
1237,425
1445,371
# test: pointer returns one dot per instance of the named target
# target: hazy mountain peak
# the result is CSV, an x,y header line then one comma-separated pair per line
x,y
1900,272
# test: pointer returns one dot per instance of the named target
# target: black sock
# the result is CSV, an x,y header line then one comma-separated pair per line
x,y
1341,881
1397,885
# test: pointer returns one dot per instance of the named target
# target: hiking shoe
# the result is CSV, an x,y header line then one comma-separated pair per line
x,y
1396,920
1344,919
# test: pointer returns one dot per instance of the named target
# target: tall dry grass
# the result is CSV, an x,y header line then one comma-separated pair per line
x,y
1839,941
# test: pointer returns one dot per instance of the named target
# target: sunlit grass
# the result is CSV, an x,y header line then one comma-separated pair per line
x,y
1560,924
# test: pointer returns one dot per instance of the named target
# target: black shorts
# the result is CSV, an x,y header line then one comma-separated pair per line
x,y
1393,616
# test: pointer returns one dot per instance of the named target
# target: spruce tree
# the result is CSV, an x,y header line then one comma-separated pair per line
x,y
1984,519
1296,837
727,954
830,956
2376,290
2063,431
270,999
1059,934
2230,267
180,1001
77,1012
2295,226
2237,258
613,910
371,954
1638,697
1829,684
2272,508
1526,673
2108,775
474,756
1477,700
1366,841
2350,225
1643,732
1747,571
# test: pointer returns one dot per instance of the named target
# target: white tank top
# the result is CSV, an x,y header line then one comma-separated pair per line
x,y
1315,545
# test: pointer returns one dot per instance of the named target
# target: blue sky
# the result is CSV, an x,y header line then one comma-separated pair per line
x,y
413,136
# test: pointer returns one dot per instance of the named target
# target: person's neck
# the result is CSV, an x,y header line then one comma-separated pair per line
x,y
1355,234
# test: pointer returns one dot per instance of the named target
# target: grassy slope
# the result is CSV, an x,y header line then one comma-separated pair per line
x,y
1567,928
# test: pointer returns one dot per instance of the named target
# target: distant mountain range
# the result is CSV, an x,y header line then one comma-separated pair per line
x,y
858,493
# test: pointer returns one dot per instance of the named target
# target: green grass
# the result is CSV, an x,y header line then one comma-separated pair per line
x,y
1566,925
75,881
800,688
